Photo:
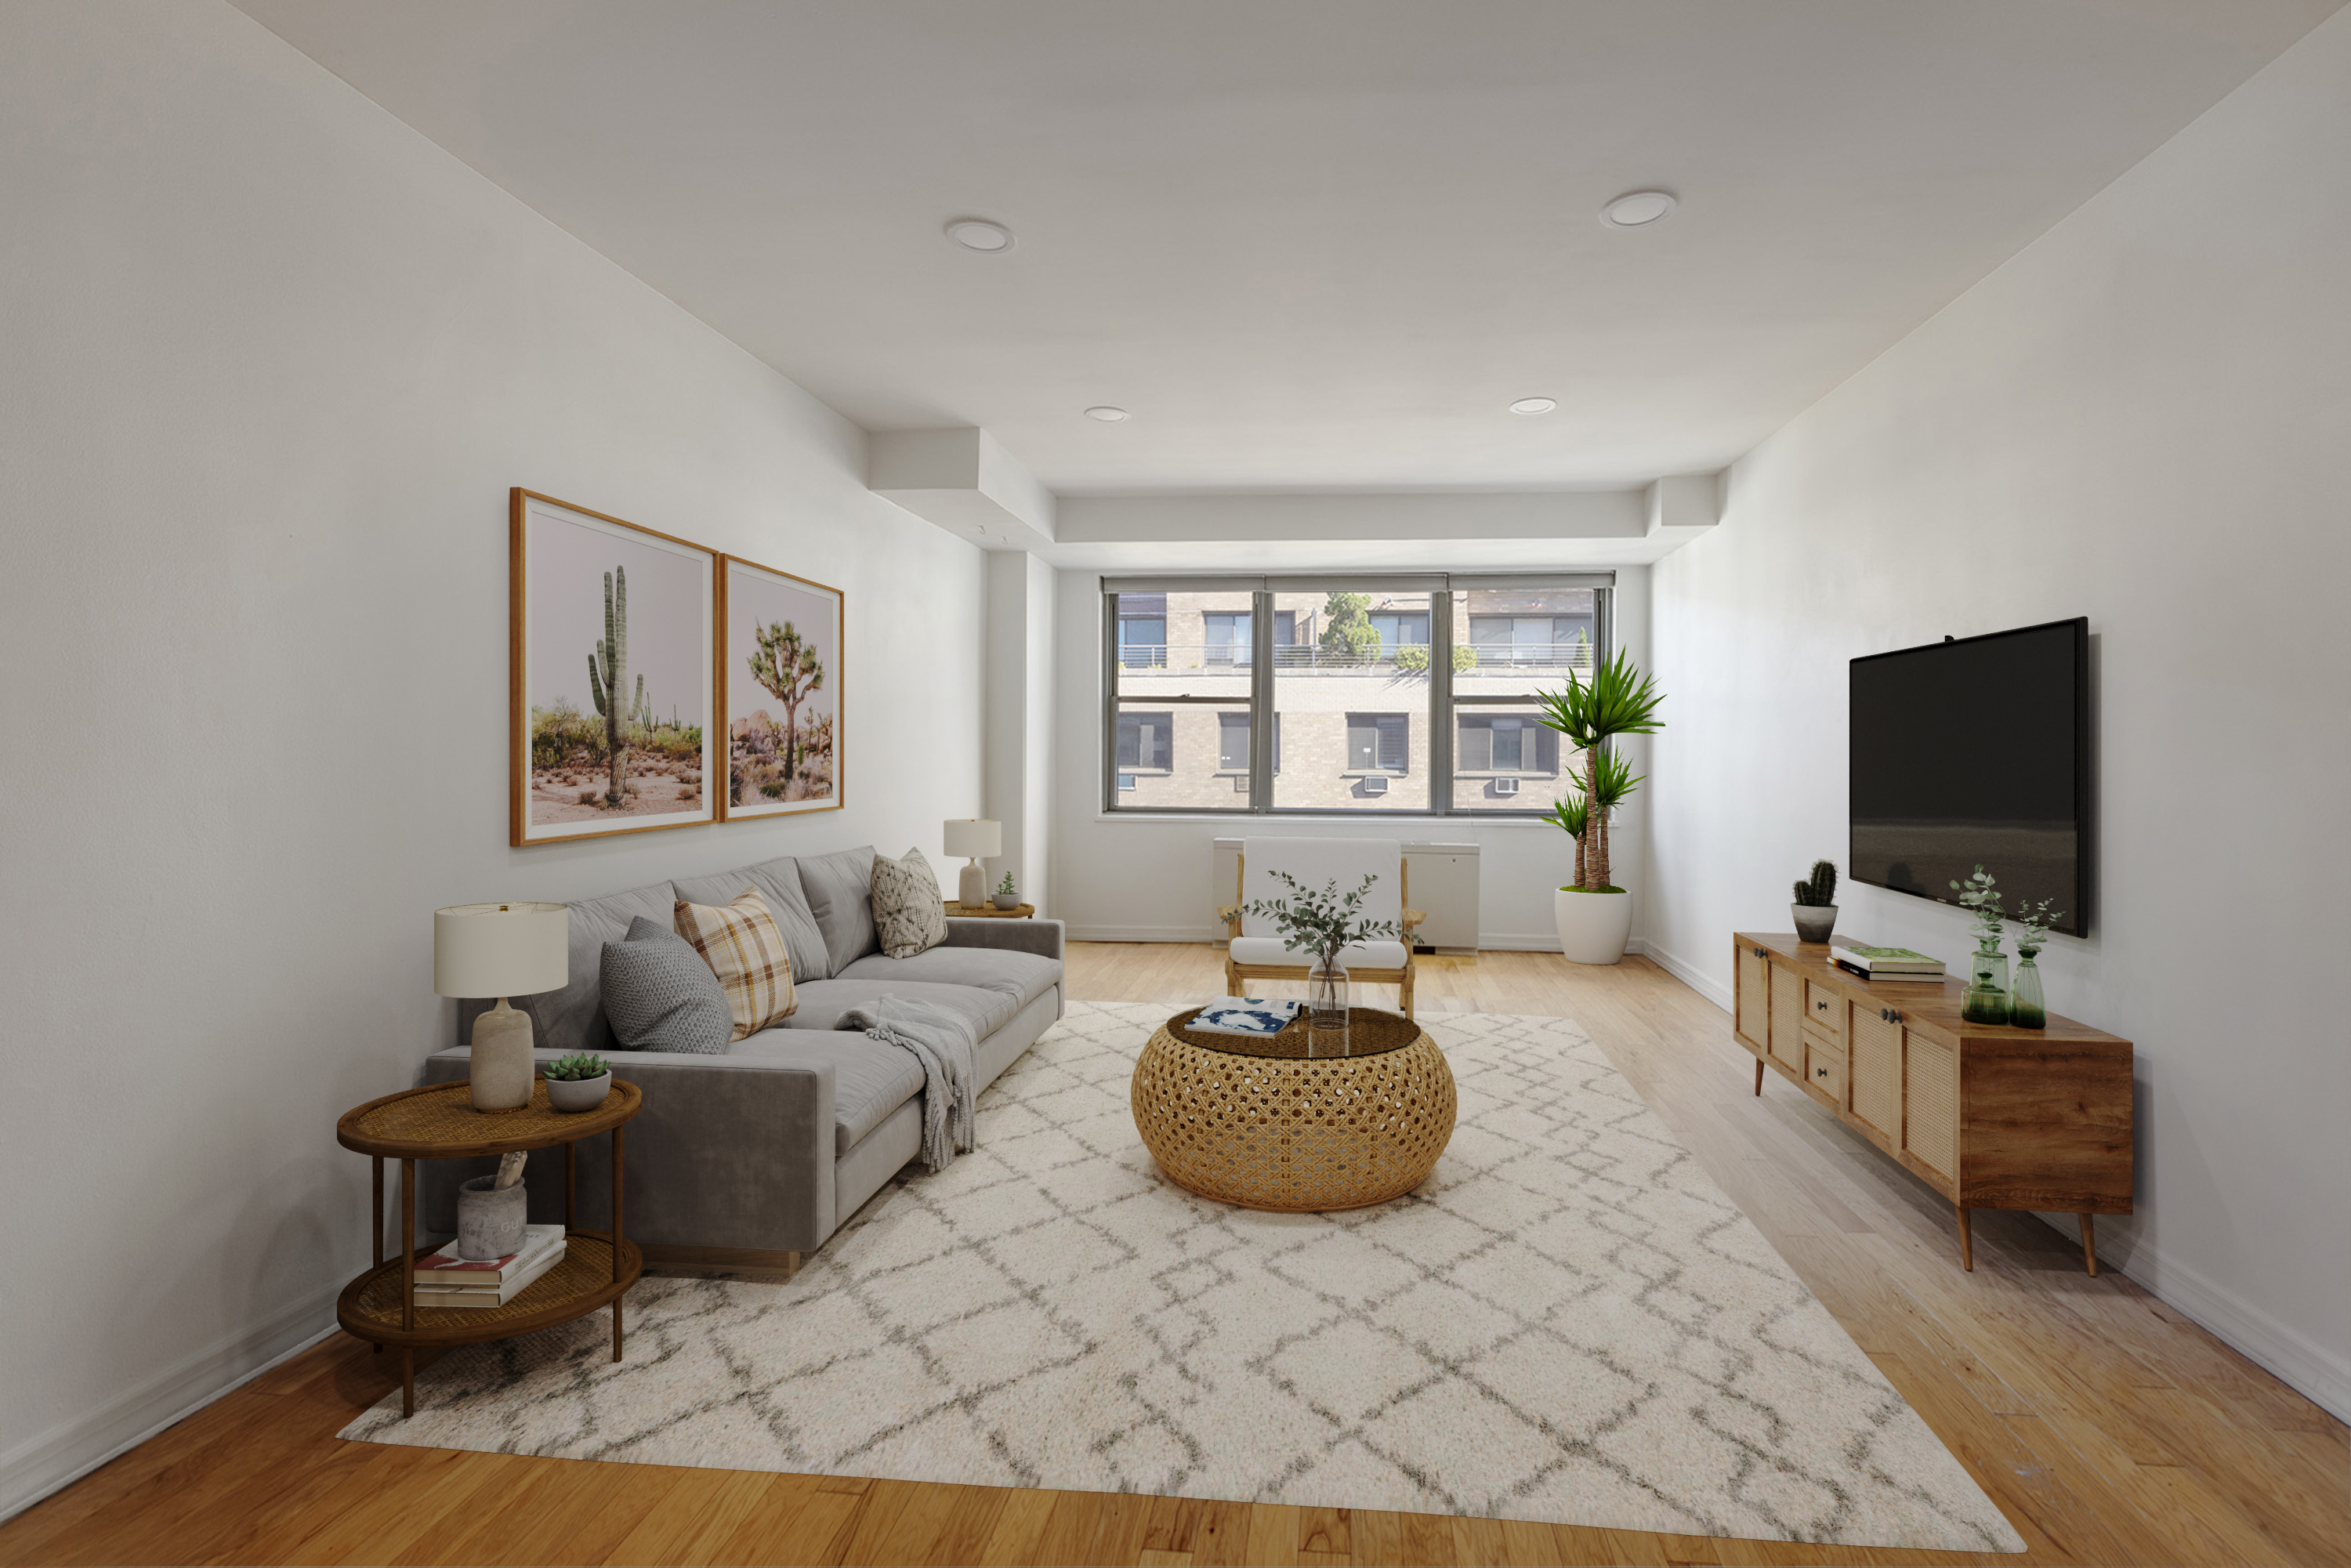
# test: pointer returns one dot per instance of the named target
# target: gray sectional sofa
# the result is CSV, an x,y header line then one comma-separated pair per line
x,y
772,1146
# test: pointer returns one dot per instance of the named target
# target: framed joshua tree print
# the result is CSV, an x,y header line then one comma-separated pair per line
x,y
610,685
780,688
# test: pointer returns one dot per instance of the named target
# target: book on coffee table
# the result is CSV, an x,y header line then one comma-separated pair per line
x,y
1245,1015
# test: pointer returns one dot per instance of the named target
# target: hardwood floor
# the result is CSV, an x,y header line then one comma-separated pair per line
x,y
2108,1427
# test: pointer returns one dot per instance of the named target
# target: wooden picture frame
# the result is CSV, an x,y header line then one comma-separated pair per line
x,y
561,777
779,644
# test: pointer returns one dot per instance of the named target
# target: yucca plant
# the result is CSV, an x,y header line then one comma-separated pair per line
x,y
1617,700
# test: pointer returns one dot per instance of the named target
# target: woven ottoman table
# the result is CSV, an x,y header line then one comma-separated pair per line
x,y
1255,1121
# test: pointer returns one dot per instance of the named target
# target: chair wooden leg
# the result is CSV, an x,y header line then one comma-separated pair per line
x,y
1967,1243
1232,981
1404,992
2089,1243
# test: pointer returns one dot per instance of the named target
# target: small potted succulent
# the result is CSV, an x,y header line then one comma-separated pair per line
x,y
1815,908
578,1082
1007,896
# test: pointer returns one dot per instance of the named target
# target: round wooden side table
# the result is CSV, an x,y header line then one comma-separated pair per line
x,y
438,1122
1253,1120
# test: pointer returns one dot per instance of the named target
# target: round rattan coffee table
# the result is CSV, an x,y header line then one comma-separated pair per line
x,y
1253,1121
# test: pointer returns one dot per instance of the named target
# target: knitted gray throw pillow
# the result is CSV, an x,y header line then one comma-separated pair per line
x,y
661,995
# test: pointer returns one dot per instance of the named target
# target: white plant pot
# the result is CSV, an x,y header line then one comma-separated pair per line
x,y
1593,927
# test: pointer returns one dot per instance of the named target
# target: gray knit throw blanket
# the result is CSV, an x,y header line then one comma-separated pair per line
x,y
943,1042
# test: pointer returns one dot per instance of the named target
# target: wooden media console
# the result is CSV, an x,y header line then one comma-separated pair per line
x,y
1987,1115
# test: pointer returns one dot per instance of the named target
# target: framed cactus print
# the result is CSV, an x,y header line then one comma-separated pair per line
x,y
779,687
611,684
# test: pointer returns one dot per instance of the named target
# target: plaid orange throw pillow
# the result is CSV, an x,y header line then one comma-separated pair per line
x,y
740,943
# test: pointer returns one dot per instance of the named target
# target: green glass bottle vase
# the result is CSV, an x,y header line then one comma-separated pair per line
x,y
2026,1007
1987,996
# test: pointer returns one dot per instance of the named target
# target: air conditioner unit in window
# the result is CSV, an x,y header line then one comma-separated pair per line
x,y
1240,783
1506,786
1126,781
1375,784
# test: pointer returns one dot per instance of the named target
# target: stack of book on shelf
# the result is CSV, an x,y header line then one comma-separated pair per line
x,y
445,1280
1884,963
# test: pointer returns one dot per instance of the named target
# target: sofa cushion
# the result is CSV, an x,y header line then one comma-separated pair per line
x,y
870,1080
661,995
778,881
840,889
571,1017
741,944
823,1001
1023,976
908,913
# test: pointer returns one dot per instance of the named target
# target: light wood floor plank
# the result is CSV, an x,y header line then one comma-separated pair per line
x,y
2107,1426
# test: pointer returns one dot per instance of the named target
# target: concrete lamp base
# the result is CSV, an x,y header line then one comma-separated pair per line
x,y
502,1067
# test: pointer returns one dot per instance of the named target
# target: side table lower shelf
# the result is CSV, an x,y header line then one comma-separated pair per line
x,y
371,1306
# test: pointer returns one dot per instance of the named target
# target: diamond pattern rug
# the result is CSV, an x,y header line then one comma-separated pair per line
x,y
1568,1323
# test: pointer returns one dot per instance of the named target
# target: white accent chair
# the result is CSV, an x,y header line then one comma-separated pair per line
x,y
1255,950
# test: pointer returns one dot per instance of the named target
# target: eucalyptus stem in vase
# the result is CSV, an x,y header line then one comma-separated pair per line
x,y
1323,922
1986,1001
2027,1008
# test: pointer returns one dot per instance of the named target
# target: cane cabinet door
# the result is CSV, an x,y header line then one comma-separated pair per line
x,y
1754,997
1876,1070
1930,1101
1787,1040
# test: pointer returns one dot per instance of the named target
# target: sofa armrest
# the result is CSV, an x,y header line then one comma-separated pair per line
x,y
728,1150
1042,937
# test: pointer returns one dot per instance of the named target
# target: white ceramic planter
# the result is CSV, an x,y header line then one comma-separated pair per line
x,y
576,1094
1593,927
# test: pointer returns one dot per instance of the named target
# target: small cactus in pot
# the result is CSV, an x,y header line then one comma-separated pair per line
x,y
1815,908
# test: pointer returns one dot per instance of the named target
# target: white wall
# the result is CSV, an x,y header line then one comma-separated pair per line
x,y
1137,878
2143,418
268,363
1019,721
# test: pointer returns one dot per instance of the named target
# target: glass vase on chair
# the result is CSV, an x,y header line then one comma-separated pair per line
x,y
1326,1010
1986,1001
2027,1009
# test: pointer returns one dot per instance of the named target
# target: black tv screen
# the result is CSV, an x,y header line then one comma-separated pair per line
x,y
1976,751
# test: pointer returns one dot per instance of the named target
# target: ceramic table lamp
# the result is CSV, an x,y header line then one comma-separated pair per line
x,y
501,950
977,838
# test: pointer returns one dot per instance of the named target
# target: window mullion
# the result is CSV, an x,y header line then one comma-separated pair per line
x,y
1440,702
1261,702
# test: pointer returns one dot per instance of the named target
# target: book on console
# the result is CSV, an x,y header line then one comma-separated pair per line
x,y
1884,963
497,1295
445,1268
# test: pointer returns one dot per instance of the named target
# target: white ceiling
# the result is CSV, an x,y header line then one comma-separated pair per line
x,y
1312,244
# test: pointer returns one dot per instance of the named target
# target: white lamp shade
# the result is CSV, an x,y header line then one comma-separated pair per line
x,y
974,837
501,950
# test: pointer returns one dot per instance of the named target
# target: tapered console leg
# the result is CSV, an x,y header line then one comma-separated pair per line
x,y
407,1382
1759,1077
2089,1244
1967,1241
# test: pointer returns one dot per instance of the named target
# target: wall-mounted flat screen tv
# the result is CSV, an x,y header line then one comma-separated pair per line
x,y
1976,751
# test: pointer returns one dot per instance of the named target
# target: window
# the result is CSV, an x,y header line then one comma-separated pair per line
x,y
1146,741
1378,741
1233,742
1383,694
1228,638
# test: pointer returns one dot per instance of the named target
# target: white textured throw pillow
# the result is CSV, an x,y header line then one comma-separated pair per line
x,y
908,914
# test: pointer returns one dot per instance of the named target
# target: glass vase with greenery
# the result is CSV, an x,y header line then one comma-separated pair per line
x,y
2027,1007
1321,923
1986,1001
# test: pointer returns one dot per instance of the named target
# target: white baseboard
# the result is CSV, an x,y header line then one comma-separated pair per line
x,y
1143,932
2299,1362
1696,978
72,1448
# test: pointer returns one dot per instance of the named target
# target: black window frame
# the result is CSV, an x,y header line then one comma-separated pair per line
x,y
1444,712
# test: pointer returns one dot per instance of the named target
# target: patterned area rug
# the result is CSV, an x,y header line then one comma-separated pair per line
x,y
1568,1323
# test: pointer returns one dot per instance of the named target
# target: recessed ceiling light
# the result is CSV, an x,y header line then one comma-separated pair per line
x,y
1107,414
1636,209
1534,405
978,233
